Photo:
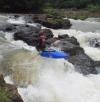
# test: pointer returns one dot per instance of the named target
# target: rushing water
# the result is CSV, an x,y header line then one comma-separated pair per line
x,y
49,80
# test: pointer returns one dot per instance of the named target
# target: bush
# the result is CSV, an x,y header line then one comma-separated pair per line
x,y
93,8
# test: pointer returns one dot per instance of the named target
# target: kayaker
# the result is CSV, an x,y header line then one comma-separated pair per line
x,y
41,41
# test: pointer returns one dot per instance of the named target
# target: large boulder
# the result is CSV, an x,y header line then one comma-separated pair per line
x,y
82,63
27,33
69,44
51,21
69,47
32,37
72,39
8,93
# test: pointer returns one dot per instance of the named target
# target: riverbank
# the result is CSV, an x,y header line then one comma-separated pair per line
x,y
69,13
73,13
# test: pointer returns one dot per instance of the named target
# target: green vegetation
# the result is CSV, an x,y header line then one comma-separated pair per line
x,y
50,6
4,96
94,8
39,5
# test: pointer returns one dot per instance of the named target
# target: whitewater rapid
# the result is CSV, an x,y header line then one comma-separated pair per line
x,y
48,80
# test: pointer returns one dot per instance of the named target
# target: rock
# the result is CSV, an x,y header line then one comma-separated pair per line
x,y
32,37
69,47
51,40
10,92
63,36
7,27
95,42
69,44
27,33
83,64
52,21
16,16
97,63
28,19
2,82
72,39
48,33
28,28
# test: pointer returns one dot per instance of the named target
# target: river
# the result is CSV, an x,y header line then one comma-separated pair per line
x,y
49,80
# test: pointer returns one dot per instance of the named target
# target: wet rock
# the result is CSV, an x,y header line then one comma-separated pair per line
x,y
95,42
32,37
54,22
28,19
97,63
2,82
10,92
48,33
83,64
7,27
16,16
72,39
27,33
28,28
70,48
50,41
69,44
63,36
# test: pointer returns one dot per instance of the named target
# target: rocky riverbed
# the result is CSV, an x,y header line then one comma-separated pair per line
x,y
21,32
82,62
8,93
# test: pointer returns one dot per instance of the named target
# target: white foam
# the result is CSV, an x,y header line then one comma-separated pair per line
x,y
72,87
21,44
19,20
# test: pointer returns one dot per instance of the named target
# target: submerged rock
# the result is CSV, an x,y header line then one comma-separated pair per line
x,y
7,27
10,92
95,42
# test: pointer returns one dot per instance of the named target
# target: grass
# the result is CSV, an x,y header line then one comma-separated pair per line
x,y
67,13
4,96
90,11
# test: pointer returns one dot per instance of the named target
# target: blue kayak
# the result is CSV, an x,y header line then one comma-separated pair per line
x,y
54,54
